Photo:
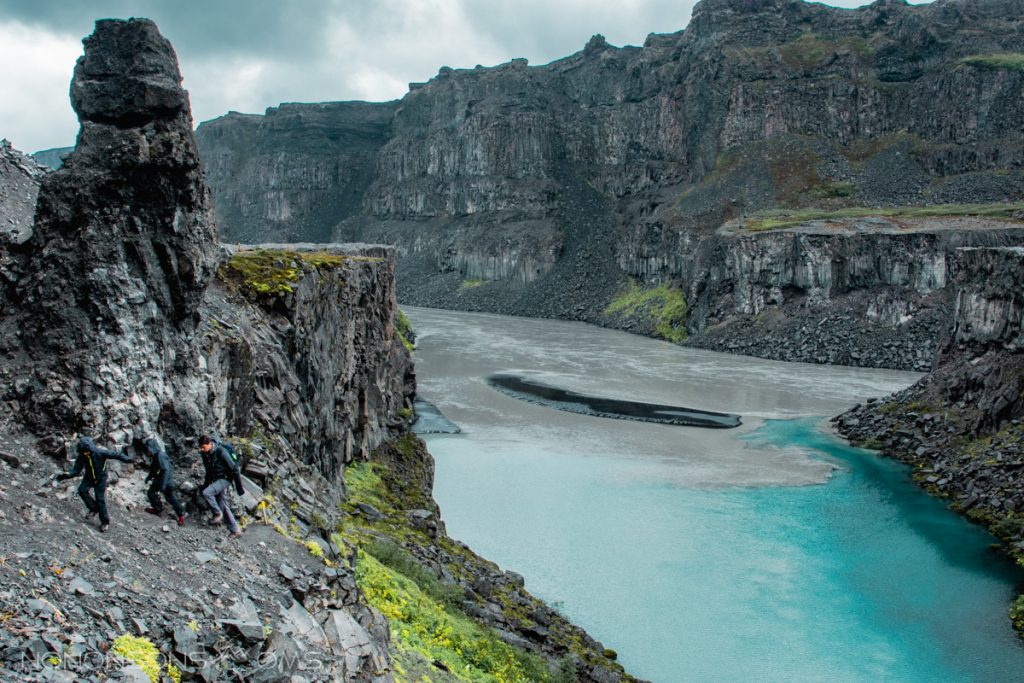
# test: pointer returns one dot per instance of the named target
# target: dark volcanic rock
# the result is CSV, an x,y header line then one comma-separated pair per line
x,y
545,190
962,425
123,246
128,316
20,177
128,76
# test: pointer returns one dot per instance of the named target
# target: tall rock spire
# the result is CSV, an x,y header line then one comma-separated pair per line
x,y
124,242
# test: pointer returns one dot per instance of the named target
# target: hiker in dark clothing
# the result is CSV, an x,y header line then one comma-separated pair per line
x,y
92,460
161,480
221,471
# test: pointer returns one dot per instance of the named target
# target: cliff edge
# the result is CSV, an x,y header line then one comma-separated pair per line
x,y
123,317
962,425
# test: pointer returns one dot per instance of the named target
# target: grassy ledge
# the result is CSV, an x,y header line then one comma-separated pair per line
x,y
270,271
664,306
810,50
1012,61
776,219
420,623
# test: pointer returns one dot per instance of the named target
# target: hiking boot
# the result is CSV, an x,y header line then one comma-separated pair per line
x,y
216,519
91,513
104,526
234,534
182,518
153,511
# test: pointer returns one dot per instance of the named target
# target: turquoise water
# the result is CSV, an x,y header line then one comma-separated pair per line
x,y
862,579
772,552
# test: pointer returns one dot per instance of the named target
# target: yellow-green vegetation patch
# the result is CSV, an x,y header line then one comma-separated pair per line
x,y
145,655
663,305
1017,613
471,284
776,219
276,271
419,623
811,50
403,327
1013,61
393,556
978,446
364,483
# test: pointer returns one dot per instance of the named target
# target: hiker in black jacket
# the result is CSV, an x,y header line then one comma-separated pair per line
x,y
161,480
92,460
221,471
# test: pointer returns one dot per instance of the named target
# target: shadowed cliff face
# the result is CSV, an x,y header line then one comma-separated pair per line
x,y
550,188
123,245
962,425
19,187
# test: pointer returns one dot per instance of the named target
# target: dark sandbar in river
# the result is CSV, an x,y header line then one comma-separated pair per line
x,y
570,401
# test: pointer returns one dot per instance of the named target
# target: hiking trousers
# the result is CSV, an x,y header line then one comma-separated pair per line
x,y
154,499
216,494
97,504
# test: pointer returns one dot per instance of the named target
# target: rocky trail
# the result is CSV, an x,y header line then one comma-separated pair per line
x,y
255,609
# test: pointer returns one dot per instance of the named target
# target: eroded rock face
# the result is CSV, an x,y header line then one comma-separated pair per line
x,y
130,315
962,425
124,244
317,364
869,293
555,185
19,187
990,300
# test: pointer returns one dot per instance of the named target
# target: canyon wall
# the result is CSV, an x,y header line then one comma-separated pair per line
x,y
962,425
547,190
123,317
872,293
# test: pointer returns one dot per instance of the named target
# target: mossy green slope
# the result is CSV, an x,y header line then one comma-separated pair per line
x,y
663,306
428,616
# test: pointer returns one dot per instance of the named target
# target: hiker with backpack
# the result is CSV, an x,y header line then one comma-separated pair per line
x,y
160,480
92,461
222,470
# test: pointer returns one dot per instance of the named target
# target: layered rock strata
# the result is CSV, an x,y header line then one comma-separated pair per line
x,y
962,425
19,188
873,293
546,190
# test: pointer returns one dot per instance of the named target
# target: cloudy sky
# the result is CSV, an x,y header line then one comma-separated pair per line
x,y
247,55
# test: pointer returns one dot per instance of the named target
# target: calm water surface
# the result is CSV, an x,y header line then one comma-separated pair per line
x,y
772,552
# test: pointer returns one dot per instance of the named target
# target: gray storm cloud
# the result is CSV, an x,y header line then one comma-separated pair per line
x,y
247,55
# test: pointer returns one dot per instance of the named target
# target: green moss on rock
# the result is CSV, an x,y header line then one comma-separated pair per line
x,y
775,219
403,327
277,271
663,306
810,50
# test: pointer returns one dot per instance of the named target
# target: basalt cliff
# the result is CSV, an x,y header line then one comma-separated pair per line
x,y
645,187
962,425
122,315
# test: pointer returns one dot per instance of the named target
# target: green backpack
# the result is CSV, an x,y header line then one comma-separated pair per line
x,y
231,451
